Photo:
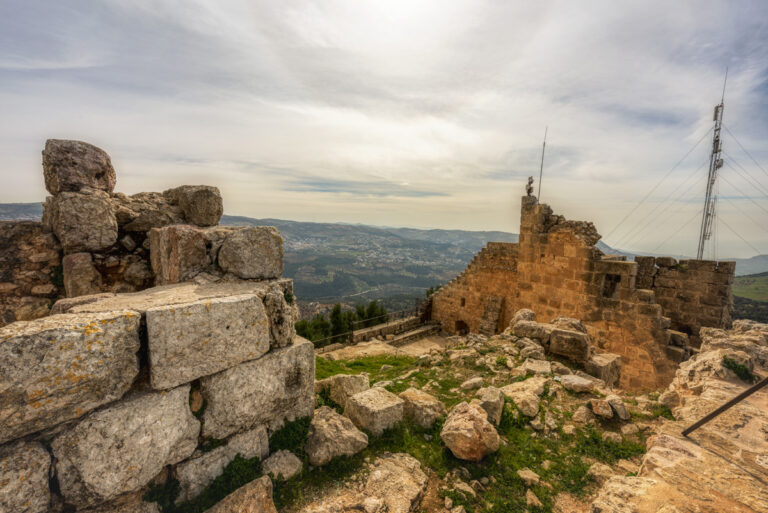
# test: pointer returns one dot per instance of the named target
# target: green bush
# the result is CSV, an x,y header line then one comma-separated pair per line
x,y
742,371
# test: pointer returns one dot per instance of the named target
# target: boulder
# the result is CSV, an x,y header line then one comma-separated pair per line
x,y
128,503
73,165
120,448
423,408
536,366
573,345
618,406
629,429
332,435
569,324
253,253
604,366
601,408
583,415
282,318
375,410
58,368
468,434
341,387
201,204
600,472
526,402
82,221
141,212
177,253
529,477
277,387
472,383
491,399
532,329
24,468
80,276
523,314
282,465
254,497
201,338
576,383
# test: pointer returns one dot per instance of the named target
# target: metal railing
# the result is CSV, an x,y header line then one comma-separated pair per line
x,y
746,393
348,336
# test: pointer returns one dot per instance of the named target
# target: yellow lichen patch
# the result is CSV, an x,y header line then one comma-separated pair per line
x,y
34,394
129,315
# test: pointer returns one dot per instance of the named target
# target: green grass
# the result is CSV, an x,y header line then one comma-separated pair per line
x,y
371,364
740,370
752,286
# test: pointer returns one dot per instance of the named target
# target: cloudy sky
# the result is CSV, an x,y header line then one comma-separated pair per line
x,y
403,112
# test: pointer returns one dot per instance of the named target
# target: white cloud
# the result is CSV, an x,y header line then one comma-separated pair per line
x,y
298,109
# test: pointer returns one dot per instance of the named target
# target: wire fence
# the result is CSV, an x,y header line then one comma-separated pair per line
x,y
348,336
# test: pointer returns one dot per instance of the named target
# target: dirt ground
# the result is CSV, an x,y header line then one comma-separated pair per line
x,y
376,348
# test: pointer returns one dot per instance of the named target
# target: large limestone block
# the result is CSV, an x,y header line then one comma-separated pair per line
x,y
282,465
72,165
121,448
198,472
253,253
375,410
204,337
423,408
491,399
533,329
341,387
83,221
24,468
201,204
605,366
146,210
332,435
80,275
282,318
278,386
177,253
468,434
57,368
573,345
254,497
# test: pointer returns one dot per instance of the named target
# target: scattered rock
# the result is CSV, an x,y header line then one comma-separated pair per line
x,y
569,323
254,497
282,465
472,383
576,383
201,204
491,399
569,429
559,368
532,329
527,403
375,410
332,435
341,387
82,221
253,253
573,345
24,468
468,434
618,406
80,275
536,366
583,415
605,366
523,314
610,436
529,477
670,399
601,408
423,408
629,429
74,165
600,472
532,500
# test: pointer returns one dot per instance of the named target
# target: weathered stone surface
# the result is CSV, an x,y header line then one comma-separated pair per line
x,y
395,484
601,408
468,434
375,410
605,366
532,329
529,477
341,387
278,386
24,468
527,403
472,383
536,366
254,497
332,435
253,253
618,406
80,276
573,345
198,339
491,399
178,253
282,318
57,368
141,212
121,448
576,383
569,323
201,204
129,503
73,165
282,465
422,407
583,415
523,314
83,221
600,472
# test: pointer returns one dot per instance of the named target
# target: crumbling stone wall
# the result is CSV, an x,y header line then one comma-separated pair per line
x,y
693,293
555,270
30,271
115,390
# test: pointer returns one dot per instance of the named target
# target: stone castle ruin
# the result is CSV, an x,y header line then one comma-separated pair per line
x,y
649,312
134,373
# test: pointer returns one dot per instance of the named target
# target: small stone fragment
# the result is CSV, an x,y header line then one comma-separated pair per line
x,y
491,399
532,500
601,408
375,410
332,435
423,408
468,434
529,477
618,406
282,465
472,383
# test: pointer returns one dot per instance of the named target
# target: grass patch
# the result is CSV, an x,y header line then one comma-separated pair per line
x,y
742,371
371,364
291,436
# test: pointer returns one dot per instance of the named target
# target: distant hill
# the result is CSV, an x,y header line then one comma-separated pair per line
x,y
752,286
21,211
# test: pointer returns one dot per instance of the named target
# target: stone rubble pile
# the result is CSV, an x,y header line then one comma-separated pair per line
x,y
114,391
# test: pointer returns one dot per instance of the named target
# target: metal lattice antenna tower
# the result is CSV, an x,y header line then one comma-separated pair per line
x,y
541,169
715,163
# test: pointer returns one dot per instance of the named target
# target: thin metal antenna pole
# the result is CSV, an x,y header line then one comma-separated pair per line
x,y
541,169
